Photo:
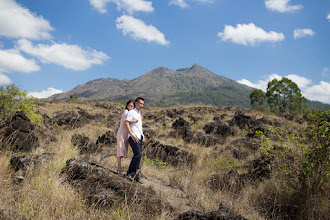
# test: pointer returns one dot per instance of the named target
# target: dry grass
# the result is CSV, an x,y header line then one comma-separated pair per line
x,y
44,195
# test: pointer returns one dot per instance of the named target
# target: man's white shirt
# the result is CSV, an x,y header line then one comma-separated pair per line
x,y
136,128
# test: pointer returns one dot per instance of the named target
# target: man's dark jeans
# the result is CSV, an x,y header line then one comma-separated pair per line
x,y
136,159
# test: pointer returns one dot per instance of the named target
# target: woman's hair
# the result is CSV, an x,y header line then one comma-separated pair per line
x,y
128,102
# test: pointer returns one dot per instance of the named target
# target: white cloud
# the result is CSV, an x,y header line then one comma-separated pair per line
x,y
281,6
249,34
302,82
320,92
184,4
328,17
180,3
12,61
68,56
299,33
138,30
130,6
4,79
261,84
45,93
19,22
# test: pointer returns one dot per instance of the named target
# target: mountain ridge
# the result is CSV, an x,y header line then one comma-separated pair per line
x,y
163,86
158,84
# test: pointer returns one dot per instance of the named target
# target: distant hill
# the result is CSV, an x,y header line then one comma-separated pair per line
x,y
318,105
164,86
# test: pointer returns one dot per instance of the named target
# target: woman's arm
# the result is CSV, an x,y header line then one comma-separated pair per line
x,y
133,121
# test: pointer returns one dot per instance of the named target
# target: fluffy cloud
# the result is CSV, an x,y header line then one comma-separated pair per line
x,y
4,79
320,92
19,22
281,6
184,4
180,3
130,6
302,82
44,94
328,17
299,33
12,61
261,84
68,56
249,34
138,30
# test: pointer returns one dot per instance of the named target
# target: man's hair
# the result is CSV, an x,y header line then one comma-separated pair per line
x,y
139,98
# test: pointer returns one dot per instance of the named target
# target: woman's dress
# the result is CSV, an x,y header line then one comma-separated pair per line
x,y
122,137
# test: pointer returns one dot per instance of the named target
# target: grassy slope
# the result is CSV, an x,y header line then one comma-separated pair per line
x,y
43,195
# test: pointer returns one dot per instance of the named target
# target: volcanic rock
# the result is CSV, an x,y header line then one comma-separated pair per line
x,y
223,213
102,188
170,154
27,163
182,129
84,144
107,139
19,134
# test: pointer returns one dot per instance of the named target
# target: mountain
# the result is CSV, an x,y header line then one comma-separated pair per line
x,y
167,87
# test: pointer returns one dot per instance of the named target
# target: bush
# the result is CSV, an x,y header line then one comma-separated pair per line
x,y
302,161
13,100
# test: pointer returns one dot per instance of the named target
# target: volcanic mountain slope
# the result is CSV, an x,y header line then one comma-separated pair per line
x,y
167,87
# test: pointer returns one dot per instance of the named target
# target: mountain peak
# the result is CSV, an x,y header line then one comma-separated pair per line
x,y
196,66
159,70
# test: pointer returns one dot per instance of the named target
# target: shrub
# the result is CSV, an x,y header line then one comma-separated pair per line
x,y
73,99
13,100
302,160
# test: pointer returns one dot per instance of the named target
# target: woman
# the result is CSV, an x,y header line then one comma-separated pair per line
x,y
122,138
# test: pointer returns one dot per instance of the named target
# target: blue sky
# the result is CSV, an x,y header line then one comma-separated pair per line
x,y
51,46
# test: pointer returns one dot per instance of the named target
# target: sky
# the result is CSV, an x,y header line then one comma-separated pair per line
x,y
52,46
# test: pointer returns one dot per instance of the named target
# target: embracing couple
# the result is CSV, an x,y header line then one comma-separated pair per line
x,y
130,131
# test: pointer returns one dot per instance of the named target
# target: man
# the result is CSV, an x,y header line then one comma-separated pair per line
x,y
135,134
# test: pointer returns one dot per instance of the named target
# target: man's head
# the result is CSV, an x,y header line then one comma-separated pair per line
x,y
139,102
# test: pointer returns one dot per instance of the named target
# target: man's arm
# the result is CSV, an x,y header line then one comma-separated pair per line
x,y
135,139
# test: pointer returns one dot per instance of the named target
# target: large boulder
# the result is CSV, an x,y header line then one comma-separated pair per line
x,y
102,188
183,130
22,164
18,134
75,119
170,154
84,144
107,139
248,122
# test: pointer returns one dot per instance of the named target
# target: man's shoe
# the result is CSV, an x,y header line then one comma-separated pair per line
x,y
138,179
130,178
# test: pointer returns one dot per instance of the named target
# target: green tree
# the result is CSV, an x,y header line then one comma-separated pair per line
x,y
257,98
12,100
73,99
284,96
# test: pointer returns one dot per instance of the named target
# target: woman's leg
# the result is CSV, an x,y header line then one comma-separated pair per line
x,y
120,170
